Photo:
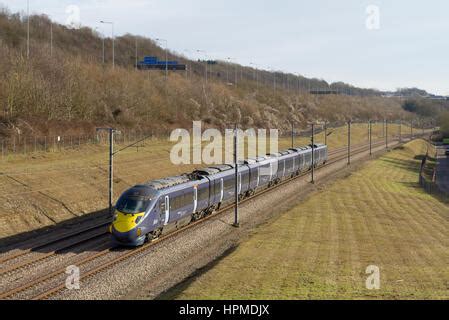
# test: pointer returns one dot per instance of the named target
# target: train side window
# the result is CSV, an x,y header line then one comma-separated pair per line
x,y
162,205
203,194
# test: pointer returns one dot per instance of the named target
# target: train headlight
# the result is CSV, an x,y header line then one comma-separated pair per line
x,y
139,232
137,219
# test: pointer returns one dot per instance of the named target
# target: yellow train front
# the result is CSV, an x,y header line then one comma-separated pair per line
x,y
134,211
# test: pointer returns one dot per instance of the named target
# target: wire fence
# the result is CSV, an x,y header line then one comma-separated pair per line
x,y
20,145
428,173
17,145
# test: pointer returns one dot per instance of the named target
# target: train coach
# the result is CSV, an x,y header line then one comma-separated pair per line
x,y
146,211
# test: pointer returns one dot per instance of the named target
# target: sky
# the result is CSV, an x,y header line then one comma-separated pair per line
x,y
374,44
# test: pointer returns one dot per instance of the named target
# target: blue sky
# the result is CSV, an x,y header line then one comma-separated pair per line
x,y
322,38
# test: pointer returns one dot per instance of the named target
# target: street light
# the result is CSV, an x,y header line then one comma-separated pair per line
x,y
102,40
51,35
136,51
113,41
187,64
166,56
298,75
227,70
205,55
274,79
255,74
28,29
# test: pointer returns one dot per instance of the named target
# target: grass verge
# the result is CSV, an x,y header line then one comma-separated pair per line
x,y
321,248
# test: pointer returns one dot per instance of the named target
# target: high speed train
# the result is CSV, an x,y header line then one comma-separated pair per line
x,y
146,211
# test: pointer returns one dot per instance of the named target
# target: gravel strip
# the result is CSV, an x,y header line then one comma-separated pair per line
x,y
26,274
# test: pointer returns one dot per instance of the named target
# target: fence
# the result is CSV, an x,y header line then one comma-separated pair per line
x,y
17,145
428,173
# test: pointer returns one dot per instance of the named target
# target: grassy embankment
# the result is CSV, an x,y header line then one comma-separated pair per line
x,y
42,189
321,248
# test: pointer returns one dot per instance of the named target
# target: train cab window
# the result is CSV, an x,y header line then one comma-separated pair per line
x,y
132,205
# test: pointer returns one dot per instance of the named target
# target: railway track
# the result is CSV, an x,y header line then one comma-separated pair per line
x,y
73,239
336,157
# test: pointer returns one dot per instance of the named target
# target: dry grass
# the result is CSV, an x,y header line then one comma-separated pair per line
x,y
72,92
320,249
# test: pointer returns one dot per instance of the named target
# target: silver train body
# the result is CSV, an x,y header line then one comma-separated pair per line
x,y
146,211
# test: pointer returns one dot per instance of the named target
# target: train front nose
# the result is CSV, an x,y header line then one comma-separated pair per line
x,y
129,237
125,231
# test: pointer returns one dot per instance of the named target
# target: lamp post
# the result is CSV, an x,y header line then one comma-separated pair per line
x,y
113,40
274,81
299,82
227,69
256,76
51,38
28,29
166,56
205,55
136,52
235,74
187,64
274,78
102,43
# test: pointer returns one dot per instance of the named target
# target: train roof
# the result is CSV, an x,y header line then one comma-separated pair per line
x,y
318,145
140,190
199,173
212,170
167,182
300,149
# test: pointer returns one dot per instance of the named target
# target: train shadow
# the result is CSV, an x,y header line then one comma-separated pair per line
x,y
41,240
175,291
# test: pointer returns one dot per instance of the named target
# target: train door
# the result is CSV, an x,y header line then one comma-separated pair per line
x,y
258,176
221,189
167,209
240,182
195,198
283,171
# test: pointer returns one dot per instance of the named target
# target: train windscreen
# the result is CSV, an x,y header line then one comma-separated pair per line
x,y
132,205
